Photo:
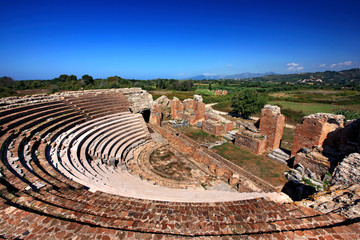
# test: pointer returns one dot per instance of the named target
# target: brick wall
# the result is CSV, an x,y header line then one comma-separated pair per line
x,y
255,145
314,129
272,125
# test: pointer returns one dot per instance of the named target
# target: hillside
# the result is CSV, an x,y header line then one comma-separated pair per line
x,y
343,77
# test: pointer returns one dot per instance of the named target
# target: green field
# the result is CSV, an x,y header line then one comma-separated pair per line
x,y
310,108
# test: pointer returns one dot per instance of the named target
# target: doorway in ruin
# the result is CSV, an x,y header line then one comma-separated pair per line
x,y
146,115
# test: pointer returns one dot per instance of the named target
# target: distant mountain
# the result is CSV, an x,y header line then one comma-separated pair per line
x,y
233,76
343,77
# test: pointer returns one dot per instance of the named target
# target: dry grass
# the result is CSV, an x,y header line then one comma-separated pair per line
x,y
267,169
198,135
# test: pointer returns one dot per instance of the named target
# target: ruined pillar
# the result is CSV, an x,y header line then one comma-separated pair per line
x,y
272,125
314,129
155,115
176,108
199,110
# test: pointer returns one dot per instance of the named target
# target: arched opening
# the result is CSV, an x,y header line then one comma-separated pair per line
x,y
146,115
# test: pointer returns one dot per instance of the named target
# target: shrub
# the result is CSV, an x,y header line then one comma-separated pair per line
x,y
247,102
349,114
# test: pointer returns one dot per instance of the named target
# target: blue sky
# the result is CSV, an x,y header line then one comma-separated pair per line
x,y
176,38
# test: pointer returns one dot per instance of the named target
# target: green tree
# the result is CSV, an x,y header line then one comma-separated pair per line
x,y
247,102
71,78
6,81
62,78
87,79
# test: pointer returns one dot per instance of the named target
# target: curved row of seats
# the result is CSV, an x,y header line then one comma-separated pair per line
x,y
39,201
69,152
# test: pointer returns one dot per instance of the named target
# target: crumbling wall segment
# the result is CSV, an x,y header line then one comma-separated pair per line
x,y
255,145
156,115
314,129
272,125
191,110
216,165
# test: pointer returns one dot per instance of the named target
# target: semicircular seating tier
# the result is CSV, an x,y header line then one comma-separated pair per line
x,y
54,183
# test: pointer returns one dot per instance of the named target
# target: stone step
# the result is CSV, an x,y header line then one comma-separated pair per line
x,y
276,158
282,153
279,155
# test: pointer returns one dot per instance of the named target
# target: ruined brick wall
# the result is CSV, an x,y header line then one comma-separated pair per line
x,y
199,110
255,145
272,125
192,110
176,108
188,104
216,124
156,115
317,163
221,92
314,129
214,128
224,170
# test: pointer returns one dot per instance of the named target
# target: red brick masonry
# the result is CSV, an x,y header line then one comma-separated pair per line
x,y
64,209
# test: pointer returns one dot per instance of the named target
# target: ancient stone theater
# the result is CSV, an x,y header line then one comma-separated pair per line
x,y
77,165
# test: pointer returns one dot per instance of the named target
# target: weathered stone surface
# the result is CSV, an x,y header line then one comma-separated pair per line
x,y
176,108
247,125
139,99
214,127
255,145
191,110
65,209
348,171
156,115
216,124
198,98
314,129
164,101
272,125
314,161
341,199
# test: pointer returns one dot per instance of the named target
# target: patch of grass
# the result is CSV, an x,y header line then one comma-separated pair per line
x,y
287,138
267,169
307,108
224,106
198,135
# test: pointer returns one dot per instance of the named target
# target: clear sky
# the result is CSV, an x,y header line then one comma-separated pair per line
x,y
176,38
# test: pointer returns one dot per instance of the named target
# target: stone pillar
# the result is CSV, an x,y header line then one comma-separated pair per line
x,y
188,104
199,110
272,125
176,108
156,115
314,129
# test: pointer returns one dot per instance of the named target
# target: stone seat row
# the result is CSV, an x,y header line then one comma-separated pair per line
x,y
186,220
70,153
63,208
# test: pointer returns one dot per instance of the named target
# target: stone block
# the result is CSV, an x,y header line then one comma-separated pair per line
x,y
255,145
315,162
214,127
